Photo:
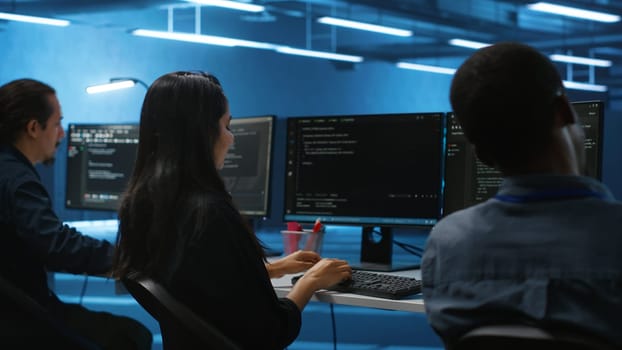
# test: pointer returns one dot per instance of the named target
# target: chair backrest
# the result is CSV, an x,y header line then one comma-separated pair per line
x,y
520,336
181,328
25,324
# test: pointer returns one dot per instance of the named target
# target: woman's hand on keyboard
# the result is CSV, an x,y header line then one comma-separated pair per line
x,y
295,262
323,274
328,272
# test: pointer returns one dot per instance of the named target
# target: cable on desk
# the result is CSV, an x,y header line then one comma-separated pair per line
x,y
332,318
83,291
410,248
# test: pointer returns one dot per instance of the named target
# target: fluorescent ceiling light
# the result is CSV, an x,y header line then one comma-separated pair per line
x,y
468,43
32,19
203,39
581,60
584,86
364,26
426,68
231,42
230,5
319,54
574,12
113,85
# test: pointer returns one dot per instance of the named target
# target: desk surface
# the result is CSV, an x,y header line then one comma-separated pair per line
x,y
106,229
283,285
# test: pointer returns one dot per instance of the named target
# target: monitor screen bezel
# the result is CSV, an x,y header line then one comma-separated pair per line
x,y
366,221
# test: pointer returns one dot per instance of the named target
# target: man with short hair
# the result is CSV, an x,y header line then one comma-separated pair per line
x,y
33,240
545,249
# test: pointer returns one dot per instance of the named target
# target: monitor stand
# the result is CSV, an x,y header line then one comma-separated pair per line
x,y
376,255
269,252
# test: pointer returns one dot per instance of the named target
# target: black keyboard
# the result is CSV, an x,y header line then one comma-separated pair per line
x,y
377,285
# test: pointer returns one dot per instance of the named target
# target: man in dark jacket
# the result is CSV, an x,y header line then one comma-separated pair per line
x,y
33,240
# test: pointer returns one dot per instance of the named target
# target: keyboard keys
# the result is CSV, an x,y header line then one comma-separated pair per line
x,y
377,285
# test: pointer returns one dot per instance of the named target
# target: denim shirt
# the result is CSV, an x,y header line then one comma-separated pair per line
x,y
32,238
545,250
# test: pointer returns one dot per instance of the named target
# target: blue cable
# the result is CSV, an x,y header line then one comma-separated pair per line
x,y
83,291
332,317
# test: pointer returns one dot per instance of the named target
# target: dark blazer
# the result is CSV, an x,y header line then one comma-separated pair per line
x,y
221,276
32,238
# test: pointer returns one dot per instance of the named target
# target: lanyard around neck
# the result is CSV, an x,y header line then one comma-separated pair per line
x,y
546,195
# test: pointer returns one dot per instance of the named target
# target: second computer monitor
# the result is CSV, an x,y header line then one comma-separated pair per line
x,y
364,170
247,167
468,181
368,170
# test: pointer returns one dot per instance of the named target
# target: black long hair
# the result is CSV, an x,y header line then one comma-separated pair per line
x,y
179,126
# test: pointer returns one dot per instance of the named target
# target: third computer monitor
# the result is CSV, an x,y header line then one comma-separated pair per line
x,y
366,170
247,167
468,181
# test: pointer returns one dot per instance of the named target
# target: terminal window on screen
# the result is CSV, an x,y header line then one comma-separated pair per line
x,y
382,169
246,172
100,160
373,171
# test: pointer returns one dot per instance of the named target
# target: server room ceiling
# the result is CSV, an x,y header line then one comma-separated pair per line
x,y
433,23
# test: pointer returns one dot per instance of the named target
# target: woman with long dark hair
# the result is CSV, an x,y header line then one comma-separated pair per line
x,y
178,224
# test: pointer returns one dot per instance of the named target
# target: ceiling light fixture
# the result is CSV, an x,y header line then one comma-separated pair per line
x,y
231,42
230,5
364,26
426,68
33,19
574,12
584,86
468,43
319,54
581,60
115,84
203,39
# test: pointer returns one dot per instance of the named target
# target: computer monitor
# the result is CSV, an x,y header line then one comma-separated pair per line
x,y
468,181
591,117
100,160
247,168
374,171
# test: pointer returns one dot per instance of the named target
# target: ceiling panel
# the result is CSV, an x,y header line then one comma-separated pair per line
x,y
433,23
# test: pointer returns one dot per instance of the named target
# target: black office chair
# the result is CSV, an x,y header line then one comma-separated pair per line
x,y
519,336
25,324
181,328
